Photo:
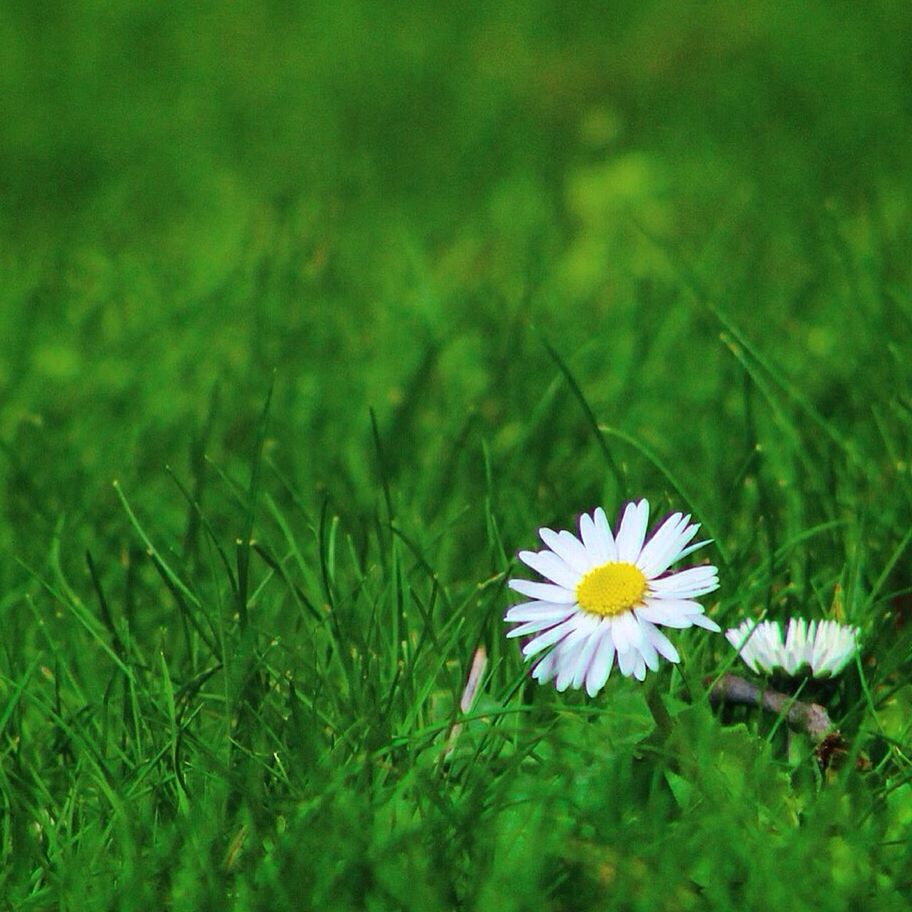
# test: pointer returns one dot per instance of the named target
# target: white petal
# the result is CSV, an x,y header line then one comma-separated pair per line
x,y
686,583
809,643
678,547
544,670
695,547
825,645
639,669
627,662
629,633
544,592
661,642
568,548
625,629
594,540
744,639
767,647
701,620
741,635
834,647
533,627
632,531
533,611
839,659
551,567
570,654
648,651
667,613
692,576
604,528
795,642
602,660
664,547
585,657
586,624
550,637
565,668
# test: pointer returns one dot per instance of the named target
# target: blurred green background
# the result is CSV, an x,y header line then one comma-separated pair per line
x,y
379,203
698,213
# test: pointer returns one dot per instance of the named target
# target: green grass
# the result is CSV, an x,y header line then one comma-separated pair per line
x,y
313,316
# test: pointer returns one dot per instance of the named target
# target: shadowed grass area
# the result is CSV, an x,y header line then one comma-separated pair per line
x,y
313,315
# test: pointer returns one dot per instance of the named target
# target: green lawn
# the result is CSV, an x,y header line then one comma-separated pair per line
x,y
312,315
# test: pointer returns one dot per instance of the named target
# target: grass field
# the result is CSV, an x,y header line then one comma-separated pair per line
x,y
312,315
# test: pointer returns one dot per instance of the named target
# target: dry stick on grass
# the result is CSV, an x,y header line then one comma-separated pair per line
x,y
479,663
809,717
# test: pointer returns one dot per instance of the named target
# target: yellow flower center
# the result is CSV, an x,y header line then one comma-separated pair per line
x,y
610,589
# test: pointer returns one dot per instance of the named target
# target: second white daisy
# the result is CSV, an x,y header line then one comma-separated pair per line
x,y
607,596
825,647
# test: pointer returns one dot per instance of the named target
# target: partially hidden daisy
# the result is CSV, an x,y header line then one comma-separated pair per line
x,y
824,647
607,595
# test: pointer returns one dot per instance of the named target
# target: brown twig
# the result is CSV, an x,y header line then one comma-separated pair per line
x,y
809,717
479,663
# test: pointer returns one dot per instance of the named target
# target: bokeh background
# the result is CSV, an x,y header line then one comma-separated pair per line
x,y
379,204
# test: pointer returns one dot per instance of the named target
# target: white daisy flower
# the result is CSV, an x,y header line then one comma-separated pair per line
x,y
826,647
607,596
